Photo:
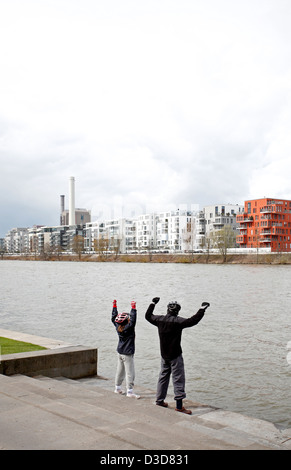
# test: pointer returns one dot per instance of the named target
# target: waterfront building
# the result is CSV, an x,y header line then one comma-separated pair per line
x,y
199,230
94,232
265,223
56,239
146,231
118,235
17,240
174,230
218,216
121,235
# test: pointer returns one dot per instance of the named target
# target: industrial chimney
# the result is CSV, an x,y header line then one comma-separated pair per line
x,y
62,209
72,217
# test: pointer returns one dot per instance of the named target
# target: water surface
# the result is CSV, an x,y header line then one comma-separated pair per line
x,y
235,358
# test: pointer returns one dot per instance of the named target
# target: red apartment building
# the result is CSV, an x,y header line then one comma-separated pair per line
x,y
265,223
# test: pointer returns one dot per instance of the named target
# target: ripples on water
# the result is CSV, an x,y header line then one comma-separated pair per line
x,y
235,358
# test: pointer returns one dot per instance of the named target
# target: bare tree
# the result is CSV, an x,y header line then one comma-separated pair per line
x,y
78,245
206,244
101,246
223,239
115,245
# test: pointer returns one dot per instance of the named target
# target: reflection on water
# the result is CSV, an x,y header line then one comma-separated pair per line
x,y
235,358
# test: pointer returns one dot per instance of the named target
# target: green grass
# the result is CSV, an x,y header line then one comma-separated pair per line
x,y
11,346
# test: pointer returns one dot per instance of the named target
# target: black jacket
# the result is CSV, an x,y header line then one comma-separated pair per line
x,y
170,330
126,338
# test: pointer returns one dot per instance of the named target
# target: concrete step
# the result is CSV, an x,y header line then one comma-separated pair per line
x,y
58,413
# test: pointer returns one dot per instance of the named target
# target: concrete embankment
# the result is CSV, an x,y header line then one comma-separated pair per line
x,y
53,411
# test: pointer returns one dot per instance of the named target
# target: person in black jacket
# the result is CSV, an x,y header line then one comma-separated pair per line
x,y
170,328
125,327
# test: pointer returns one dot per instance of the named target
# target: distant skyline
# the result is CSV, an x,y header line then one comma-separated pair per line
x,y
149,105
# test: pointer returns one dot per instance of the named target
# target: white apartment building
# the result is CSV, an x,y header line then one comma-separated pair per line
x,y
173,230
217,216
163,231
146,231
94,232
199,230
121,234
111,235
17,240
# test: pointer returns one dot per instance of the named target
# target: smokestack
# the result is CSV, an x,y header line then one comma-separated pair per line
x,y
62,208
72,217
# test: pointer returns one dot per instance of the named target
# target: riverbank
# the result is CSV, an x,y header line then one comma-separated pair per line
x,y
199,258
53,412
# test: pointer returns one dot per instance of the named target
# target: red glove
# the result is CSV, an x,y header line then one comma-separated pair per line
x,y
133,304
114,303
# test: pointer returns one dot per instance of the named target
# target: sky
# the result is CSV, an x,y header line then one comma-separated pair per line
x,y
150,105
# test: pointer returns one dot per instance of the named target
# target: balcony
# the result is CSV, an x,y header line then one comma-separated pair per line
x,y
244,219
268,210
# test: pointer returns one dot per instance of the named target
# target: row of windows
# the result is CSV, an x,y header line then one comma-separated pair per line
x,y
255,238
274,206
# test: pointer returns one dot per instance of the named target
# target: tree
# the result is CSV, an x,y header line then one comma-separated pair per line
x,y
115,246
223,239
78,245
47,251
206,244
101,245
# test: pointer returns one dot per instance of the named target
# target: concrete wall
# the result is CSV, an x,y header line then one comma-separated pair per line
x,y
73,362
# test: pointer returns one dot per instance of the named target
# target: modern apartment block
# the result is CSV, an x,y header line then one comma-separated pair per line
x,y
172,229
218,216
111,235
146,231
17,240
265,223
38,239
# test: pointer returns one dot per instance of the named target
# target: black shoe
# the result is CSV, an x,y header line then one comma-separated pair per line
x,y
162,403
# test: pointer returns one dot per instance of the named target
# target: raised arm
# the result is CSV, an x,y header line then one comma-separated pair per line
x,y
114,311
188,322
149,313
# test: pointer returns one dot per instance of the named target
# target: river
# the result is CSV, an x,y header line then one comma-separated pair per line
x,y
235,358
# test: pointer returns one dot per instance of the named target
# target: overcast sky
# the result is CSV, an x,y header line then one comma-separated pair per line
x,y
150,105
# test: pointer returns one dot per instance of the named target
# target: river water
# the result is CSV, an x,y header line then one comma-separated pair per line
x,y
235,358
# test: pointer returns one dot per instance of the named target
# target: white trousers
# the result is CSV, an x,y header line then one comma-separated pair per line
x,y
125,370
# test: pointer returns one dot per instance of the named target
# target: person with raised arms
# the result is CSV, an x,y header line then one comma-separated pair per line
x,y
170,327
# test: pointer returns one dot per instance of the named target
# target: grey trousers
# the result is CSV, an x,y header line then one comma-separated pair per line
x,y
176,368
125,370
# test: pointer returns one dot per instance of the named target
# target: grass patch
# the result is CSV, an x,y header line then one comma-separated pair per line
x,y
11,346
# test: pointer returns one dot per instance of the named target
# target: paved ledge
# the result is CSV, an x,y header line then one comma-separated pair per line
x,y
59,359
48,343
